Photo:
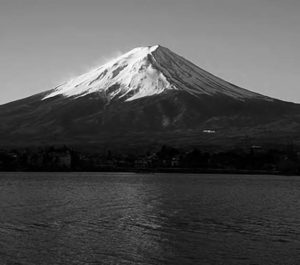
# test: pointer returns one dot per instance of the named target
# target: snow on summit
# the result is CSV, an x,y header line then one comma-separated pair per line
x,y
131,75
146,71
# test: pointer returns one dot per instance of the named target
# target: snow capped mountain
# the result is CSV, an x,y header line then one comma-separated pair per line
x,y
147,97
147,71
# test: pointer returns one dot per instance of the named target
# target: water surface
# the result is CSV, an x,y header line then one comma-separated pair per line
x,y
127,218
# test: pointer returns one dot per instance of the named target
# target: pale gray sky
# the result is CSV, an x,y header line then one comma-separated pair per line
x,y
251,43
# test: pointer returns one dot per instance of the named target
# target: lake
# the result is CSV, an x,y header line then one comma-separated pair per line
x,y
128,218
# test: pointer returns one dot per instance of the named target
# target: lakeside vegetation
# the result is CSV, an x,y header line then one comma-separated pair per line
x,y
253,160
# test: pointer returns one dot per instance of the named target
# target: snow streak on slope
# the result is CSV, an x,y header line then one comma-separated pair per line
x,y
189,77
146,71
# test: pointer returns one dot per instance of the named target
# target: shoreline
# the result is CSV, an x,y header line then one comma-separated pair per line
x,y
159,170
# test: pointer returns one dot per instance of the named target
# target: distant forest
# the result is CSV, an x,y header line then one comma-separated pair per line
x,y
252,160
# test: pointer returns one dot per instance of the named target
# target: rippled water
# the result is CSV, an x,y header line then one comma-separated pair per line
x,y
126,218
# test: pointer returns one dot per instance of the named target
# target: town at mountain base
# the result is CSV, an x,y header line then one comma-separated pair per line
x,y
167,159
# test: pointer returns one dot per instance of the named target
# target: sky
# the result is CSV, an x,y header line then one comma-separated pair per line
x,y
251,43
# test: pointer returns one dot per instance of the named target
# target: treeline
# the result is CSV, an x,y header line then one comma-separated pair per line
x,y
254,159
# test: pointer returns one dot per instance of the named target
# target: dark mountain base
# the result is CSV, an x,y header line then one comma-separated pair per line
x,y
177,119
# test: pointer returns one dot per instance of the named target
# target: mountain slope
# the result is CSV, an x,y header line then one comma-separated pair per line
x,y
147,71
147,96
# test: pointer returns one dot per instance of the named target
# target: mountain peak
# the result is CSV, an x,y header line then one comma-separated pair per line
x,y
146,71
130,76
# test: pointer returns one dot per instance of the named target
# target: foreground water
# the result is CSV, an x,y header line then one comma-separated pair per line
x,y
115,218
